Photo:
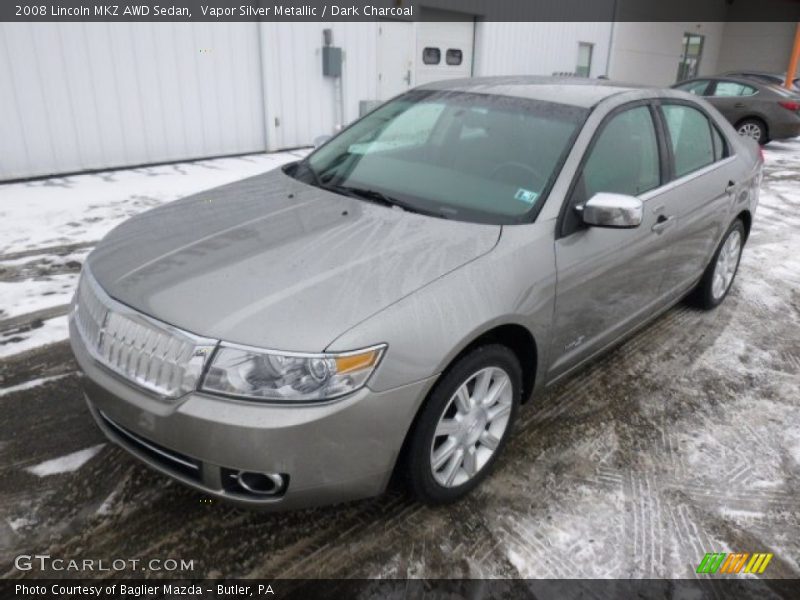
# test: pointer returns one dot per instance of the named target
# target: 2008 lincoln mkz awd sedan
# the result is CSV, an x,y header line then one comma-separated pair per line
x,y
387,304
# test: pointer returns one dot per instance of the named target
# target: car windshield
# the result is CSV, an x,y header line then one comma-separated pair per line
x,y
465,156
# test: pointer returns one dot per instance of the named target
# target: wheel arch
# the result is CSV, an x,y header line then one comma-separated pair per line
x,y
747,220
514,336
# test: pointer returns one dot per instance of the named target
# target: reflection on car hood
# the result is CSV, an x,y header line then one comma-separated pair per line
x,y
272,262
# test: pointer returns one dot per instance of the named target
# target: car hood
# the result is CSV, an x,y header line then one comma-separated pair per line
x,y
272,262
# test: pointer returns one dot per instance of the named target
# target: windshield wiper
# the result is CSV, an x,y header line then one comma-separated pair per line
x,y
381,198
372,195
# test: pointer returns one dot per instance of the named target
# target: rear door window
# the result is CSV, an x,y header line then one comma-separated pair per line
x,y
720,147
690,137
732,88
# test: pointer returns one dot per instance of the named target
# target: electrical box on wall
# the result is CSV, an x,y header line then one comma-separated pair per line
x,y
331,61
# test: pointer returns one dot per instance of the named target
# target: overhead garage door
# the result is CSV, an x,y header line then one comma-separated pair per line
x,y
80,96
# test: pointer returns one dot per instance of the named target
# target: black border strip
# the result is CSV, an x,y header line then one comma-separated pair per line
x,y
414,10
728,587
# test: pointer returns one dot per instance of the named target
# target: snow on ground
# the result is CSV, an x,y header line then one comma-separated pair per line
x,y
29,295
83,208
34,335
47,227
20,523
26,385
65,464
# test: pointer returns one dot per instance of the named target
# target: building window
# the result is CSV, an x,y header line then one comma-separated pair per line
x,y
431,56
584,59
454,56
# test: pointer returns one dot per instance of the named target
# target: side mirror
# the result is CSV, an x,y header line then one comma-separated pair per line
x,y
612,210
321,139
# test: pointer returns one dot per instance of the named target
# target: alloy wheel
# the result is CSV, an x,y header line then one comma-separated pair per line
x,y
471,426
727,262
751,130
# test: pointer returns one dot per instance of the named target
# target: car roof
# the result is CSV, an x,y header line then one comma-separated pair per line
x,y
761,86
725,77
763,76
575,91
748,73
751,72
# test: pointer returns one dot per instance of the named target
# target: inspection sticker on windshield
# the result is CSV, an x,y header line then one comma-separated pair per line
x,y
526,196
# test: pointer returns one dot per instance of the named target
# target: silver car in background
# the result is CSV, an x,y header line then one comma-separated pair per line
x,y
387,304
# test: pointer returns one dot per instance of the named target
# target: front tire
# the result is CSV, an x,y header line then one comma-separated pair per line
x,y
721,271
464,425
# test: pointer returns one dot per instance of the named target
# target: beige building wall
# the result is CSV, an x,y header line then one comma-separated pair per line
x,y
757,46
650,53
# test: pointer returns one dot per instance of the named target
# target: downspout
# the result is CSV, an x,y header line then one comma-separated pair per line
x,y
264,94
342,118
611,39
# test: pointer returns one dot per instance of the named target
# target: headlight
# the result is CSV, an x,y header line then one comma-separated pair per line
x,y
288,376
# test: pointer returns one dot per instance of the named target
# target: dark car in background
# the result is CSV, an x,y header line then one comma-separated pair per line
x,y
770,78
756,109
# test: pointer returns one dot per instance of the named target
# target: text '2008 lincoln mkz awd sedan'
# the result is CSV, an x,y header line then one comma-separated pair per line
x,y
387,304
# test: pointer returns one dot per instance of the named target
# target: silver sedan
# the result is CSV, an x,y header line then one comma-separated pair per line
x,y
385,306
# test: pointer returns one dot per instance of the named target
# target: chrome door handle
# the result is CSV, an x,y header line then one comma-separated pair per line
x,y
663,223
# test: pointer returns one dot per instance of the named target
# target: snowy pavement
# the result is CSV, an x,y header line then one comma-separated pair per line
x,y
684,440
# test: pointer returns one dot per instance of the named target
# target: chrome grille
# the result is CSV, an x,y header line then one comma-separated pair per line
x,y
153,355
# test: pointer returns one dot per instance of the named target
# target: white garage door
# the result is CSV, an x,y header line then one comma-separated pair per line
x,y
81,96
444,50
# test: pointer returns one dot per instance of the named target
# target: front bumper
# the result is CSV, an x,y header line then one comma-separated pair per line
x,y
331,452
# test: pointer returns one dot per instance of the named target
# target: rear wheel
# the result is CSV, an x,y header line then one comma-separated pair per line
x,y
720,272
754,129
464,425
